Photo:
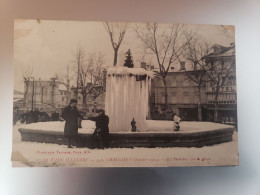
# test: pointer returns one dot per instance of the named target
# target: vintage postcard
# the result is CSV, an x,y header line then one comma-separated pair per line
x,y
114,94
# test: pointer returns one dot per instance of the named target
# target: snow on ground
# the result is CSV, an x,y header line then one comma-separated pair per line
x,y
43,154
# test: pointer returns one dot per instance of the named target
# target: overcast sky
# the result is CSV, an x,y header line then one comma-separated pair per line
x,y
50,46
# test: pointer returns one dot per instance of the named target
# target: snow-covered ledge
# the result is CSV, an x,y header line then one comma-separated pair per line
x,y
159,134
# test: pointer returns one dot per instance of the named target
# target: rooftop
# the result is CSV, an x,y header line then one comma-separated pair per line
x,y
221,51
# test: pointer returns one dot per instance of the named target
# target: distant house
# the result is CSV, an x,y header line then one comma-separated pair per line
x,y
183,94
222,62
48,95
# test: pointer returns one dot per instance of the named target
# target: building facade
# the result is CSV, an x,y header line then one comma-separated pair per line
x,y
47,95
217,92
221,91
182,95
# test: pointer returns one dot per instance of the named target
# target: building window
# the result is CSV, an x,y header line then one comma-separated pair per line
x,y
211,65
185,94
173,80
174,94
195,65
222,65
227,88
179,83
211,83
182,65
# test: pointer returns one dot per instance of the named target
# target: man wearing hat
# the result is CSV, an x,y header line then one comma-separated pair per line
x,y
70,114
101,133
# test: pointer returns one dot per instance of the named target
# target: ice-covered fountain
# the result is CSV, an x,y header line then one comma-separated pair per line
x,y
127,97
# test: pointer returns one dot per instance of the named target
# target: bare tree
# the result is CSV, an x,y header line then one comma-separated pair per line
x,y
227,30
82,70
219,74
116,32
97,75
53,84
27,72
194,53
65,79
89,74
166,44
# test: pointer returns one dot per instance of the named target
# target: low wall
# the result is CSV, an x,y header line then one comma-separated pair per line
x,y
136,139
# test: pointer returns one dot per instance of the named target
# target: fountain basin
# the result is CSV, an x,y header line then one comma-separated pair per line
x,y
158,134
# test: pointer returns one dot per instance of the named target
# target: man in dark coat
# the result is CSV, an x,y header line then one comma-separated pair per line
x,y
55,116
29,117
101,133
70,114
35,115
43,116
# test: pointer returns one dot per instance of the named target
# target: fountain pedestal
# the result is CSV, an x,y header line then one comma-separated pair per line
x,y
127,95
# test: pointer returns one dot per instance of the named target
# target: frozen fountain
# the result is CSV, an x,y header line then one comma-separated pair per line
x,y
127,97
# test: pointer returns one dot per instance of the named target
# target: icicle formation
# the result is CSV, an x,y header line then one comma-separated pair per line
x,y
127,95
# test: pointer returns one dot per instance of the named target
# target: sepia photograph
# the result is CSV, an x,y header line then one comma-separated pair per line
x,y
114,94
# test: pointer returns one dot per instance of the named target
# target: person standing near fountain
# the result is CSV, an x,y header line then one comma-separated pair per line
x,y
101,133
133,124
176,122
71,114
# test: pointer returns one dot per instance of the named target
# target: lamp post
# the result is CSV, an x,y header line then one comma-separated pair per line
x,y
32,91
